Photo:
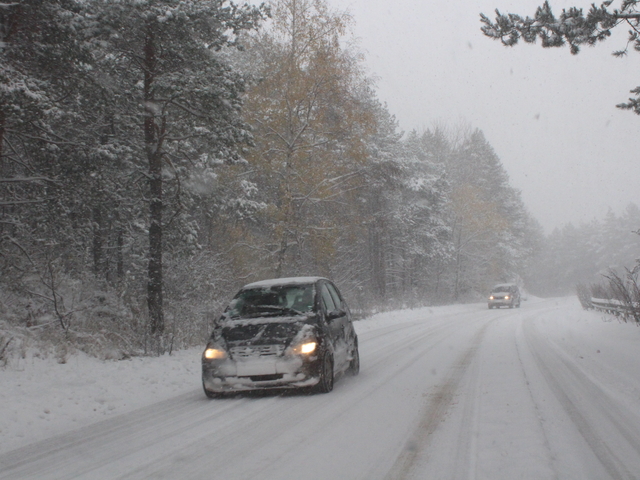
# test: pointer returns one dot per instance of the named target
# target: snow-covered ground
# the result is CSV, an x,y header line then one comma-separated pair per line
x,y
544,391
40,398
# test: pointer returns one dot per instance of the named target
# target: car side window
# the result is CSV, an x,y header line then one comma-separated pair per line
x,y
337,301
327,300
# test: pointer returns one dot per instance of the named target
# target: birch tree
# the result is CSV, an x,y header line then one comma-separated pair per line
x,y
304,109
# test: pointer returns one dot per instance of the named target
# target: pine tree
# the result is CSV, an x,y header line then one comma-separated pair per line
x,y
175,100
43,63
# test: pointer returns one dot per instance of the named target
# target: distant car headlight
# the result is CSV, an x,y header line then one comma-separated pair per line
x,y
491,297
305,348
213,353
507,297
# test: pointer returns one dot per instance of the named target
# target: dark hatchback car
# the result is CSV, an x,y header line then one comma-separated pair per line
x,y
284,333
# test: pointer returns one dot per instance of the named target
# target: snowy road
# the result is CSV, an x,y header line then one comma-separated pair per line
x,y
546,391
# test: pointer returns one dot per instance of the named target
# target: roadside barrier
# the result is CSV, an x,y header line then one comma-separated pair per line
x,y
616,307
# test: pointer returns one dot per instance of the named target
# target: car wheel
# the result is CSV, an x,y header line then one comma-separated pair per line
x,y
354,365
325,385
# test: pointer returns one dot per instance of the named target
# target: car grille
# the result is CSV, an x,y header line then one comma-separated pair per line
x,y
257,351
266,378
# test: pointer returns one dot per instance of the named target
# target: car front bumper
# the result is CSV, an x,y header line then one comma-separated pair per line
x,y
219,376
501,303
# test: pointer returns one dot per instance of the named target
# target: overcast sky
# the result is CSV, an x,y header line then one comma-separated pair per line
x,y
549,115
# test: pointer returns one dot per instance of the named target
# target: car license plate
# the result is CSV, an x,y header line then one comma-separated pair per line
x,y
262,367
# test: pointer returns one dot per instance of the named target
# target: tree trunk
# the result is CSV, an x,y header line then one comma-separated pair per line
x,y
120,254
2,130
2,169
154,286
456,286
287,217
98,242
153,145
378,261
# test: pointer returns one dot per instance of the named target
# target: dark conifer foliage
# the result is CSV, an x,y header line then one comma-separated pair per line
x,y
178,102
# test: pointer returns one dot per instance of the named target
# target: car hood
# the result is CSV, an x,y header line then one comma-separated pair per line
x,y
264,331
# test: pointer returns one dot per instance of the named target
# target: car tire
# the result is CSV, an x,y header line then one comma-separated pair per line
x,y
354,364
325,385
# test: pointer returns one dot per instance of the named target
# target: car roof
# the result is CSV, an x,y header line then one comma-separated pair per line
x,y
283,281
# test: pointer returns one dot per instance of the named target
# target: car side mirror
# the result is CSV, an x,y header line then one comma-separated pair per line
x,y
335,314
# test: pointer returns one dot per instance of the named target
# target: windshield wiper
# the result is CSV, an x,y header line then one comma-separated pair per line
x,y
278,309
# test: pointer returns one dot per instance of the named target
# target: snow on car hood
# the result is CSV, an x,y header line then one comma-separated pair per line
x,y
264,331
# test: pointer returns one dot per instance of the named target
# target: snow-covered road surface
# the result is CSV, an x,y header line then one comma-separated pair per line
x,y
541,392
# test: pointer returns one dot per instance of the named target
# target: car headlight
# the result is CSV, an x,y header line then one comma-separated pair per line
x,y
506,297
491,297
215,353
305,348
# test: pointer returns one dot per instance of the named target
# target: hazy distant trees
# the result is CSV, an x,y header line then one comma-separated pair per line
x,y
584,254
573,28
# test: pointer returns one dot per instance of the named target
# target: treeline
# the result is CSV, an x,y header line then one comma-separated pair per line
x,y
156,155
587,254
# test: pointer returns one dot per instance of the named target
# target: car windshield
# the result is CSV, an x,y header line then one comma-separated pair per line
x,y
276,300
501,289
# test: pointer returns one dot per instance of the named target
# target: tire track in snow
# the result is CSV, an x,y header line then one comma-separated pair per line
x,y
464,465
439,403
539,416
426,337
606,432
465,462
428,340
49,458
387,348
403,329
324,418
470,451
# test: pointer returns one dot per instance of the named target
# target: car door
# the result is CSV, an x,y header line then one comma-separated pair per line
x,y
337,316
328,307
